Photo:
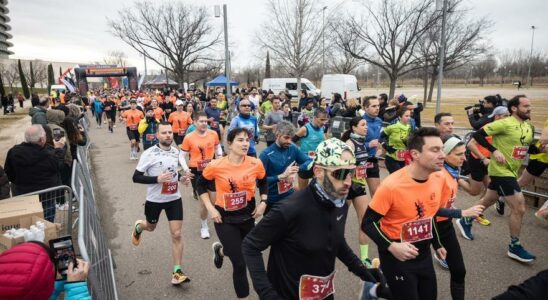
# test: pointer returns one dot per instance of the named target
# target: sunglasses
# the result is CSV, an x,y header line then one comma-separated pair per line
x,y
341,174
245,105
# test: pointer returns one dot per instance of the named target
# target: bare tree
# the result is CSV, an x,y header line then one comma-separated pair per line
x,y
388,35
291,35
10,74
116,57
39,70
340,61
464,41
176,36
485,67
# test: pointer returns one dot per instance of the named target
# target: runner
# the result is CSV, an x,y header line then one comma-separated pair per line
x,y
454,149
538,159
158,169
148,129
236,177
355,139
511,139
180,120
310,136
444,122
214,117
394,141
374,125
110,109
132,117
274,117
158,111
98,110
282,160
202,145
249,122
305,233
399,219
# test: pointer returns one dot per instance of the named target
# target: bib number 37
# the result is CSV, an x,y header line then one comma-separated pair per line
x,y
316,287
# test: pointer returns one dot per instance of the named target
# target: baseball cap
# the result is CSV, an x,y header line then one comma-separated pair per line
x,y
499,110
328,154
179,102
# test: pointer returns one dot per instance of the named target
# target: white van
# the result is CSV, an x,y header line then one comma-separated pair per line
x,y
281,84
344,84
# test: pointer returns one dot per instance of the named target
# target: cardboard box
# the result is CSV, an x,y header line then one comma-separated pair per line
x,y
18,212
51,231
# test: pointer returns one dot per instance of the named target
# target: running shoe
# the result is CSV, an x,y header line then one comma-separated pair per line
x,y
217,256
365,291
518,253
482,220
465,229
179,277
204,233
136,237
441,262
499,206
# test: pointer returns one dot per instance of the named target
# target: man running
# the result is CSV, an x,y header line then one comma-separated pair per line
x,y
305,233
274,117
132,117
374,125
282,160
214,116
202,145
158,169
511,139
249,122
400,218
179,120
444,122
148,128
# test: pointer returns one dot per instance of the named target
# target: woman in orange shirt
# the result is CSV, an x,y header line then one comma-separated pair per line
x,y
236,177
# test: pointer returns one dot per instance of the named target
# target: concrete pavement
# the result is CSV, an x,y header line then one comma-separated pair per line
x,y
143,272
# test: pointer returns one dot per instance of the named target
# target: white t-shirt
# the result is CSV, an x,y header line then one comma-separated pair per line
x,y
155,161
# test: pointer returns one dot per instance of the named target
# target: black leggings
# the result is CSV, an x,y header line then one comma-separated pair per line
x,y
393,165
231,236
410,280
454,258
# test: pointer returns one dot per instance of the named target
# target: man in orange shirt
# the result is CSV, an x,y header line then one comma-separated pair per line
x,y
179,120
399,218
132,117
202,145
158,111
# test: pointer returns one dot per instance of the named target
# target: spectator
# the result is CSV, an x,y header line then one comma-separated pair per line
x,y
303,100
390,111
38,113
352,108
29,274
34,100
4,185
10,103
4,102
21,99
31,167
336,106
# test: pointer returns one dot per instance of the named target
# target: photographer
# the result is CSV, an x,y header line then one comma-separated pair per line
x,y
478,114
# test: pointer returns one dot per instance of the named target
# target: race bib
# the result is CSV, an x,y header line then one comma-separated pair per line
x,y
150,137
132,127
316,287
181,132
415,231
169,188
235,201
214,124
400,155
361,172
311,154
520,152
201,164
285,185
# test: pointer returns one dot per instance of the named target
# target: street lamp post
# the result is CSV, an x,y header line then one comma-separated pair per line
x,y
531,56
441,53
227,52
323,39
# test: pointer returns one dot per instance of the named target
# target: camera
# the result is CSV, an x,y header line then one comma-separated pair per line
x,y
476,109
58,134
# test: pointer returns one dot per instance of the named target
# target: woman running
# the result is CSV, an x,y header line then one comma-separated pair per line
x,y
394,140
236,177
355,139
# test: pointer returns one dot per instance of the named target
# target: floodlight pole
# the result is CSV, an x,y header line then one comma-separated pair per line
x,y
531,57
441,55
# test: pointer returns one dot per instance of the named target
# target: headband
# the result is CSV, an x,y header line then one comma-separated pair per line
x,y
450,144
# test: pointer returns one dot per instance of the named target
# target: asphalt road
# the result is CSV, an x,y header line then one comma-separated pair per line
x,y
144,272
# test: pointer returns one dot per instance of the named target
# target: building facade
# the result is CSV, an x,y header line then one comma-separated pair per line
x,y
4,28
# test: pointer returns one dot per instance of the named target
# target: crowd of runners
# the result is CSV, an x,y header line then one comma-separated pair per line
x,y
293,196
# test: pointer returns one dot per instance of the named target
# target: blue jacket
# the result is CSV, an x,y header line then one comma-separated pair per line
x,y
275,160
374,126
73,290
250,123
98,106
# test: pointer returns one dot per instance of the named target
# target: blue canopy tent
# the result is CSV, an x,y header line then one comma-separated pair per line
x,y
221,81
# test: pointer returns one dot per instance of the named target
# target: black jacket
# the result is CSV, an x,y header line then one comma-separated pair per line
x,y
4,185
306,235
32,168
478,122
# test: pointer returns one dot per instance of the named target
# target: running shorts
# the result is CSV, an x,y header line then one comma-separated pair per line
x,y
132,134
174,210
477,169
504,186
536,168
374,171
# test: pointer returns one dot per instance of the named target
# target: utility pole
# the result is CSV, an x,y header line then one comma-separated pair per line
x,y
227,52
441,54
531,56
323,39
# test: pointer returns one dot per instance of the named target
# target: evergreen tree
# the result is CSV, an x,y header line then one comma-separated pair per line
x,y
2,90
267,68
23,80
51,75
32,80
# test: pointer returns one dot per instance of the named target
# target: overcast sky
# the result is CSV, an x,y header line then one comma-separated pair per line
x,y
77,31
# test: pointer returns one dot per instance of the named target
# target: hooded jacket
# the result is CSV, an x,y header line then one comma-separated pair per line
x,y
32,167
55,119
38,114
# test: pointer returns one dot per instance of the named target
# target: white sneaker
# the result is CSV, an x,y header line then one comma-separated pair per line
x,y
204,233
